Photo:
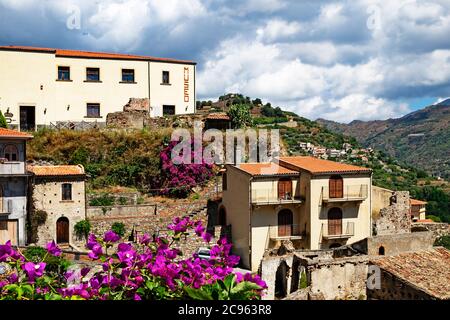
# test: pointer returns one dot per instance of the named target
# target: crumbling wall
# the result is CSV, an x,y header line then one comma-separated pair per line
x,y
395,244
439,229
395,218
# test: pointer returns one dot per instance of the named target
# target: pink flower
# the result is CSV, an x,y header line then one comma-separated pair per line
x,y
34,270
53,249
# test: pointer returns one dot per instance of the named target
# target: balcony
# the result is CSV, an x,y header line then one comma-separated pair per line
x,y
286,232
270,197
349,193
338,231
12,168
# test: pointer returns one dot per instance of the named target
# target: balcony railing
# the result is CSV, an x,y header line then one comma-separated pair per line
x,y
286,232
12,168
338,231
269,196
349,193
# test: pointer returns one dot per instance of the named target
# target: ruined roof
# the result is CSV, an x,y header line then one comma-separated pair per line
x,y
262,169
91,54
63,170
8,133
218,116
415,202
427,270
320,166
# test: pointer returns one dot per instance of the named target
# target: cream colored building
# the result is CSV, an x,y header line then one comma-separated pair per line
x,y
60,192
39,86
315,203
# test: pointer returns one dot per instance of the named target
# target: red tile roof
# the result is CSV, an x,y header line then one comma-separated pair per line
x,y
320,166
415,202
427,270
92,54
64,170
262,169
8,133
218,116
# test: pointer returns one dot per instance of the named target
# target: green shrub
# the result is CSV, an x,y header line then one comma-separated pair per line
x,y
119,228
443,241
3,123
434,218
54,264
123,201
102,201
82,228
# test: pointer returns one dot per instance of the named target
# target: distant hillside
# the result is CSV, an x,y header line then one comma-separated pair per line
x,y
421,138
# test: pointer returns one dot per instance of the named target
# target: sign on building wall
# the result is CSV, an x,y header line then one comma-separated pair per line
x,y
186,84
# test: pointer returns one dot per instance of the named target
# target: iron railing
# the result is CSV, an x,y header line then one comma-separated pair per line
x,y
336,231
268,196
288,231
349,193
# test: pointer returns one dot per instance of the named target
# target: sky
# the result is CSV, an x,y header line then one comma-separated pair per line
x,y
338,60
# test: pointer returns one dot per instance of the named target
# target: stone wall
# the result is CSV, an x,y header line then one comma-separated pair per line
x,y
439,229
395,244
395,218
393,288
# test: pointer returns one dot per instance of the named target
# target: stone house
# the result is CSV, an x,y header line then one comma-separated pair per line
x,y
315,203
59,191
13,186
418,210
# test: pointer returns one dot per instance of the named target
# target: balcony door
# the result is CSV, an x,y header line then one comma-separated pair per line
x,y
335,221
336,186
285,220
284,189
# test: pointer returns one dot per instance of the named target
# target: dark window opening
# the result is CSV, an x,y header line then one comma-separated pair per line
x,y
66,191
127,75
168,110
224,181
381,251
64,73
222,217
93,110
92,74
285,221
165,77
11,153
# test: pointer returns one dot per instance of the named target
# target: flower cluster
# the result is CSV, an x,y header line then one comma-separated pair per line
x,y
150,269
181,178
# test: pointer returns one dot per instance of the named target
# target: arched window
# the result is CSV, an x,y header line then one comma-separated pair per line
x,y
11,153
285,220
336,186
285,189
335,221
381,251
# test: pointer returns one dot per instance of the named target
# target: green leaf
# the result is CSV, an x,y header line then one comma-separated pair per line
x,y
198,294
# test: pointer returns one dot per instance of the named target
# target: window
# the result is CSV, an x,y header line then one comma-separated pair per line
x,y
64,73
11,153
165,77
92,74
127,75
66,191
285,189
93,110
336,186
168,110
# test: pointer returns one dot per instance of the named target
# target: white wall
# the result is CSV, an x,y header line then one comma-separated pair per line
x,y
23,73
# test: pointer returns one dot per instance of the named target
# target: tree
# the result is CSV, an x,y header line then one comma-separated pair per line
x,y
240,116
3,123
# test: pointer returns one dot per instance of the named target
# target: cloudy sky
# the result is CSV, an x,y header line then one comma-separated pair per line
x,y
339,60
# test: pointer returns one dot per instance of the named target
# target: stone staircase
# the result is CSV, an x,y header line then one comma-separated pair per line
x,y
199,212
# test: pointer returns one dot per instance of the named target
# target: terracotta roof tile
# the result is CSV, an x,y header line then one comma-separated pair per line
x,y
427,270
218,116
92,54
415,202
8,133
320,166
63,170
262,169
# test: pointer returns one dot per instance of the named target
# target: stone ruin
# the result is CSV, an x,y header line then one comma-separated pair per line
x,y
396,218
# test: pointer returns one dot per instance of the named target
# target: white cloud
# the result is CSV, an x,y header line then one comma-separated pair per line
x,y
277,29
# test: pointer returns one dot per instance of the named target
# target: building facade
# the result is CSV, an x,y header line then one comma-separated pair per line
x,y
59,191
13,186
315,203
39,86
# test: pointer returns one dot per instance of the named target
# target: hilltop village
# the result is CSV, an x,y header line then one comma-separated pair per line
x,y
314,223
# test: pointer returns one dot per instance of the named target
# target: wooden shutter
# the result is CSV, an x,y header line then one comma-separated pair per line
x,y
284,188
336,186
285,220
335,221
